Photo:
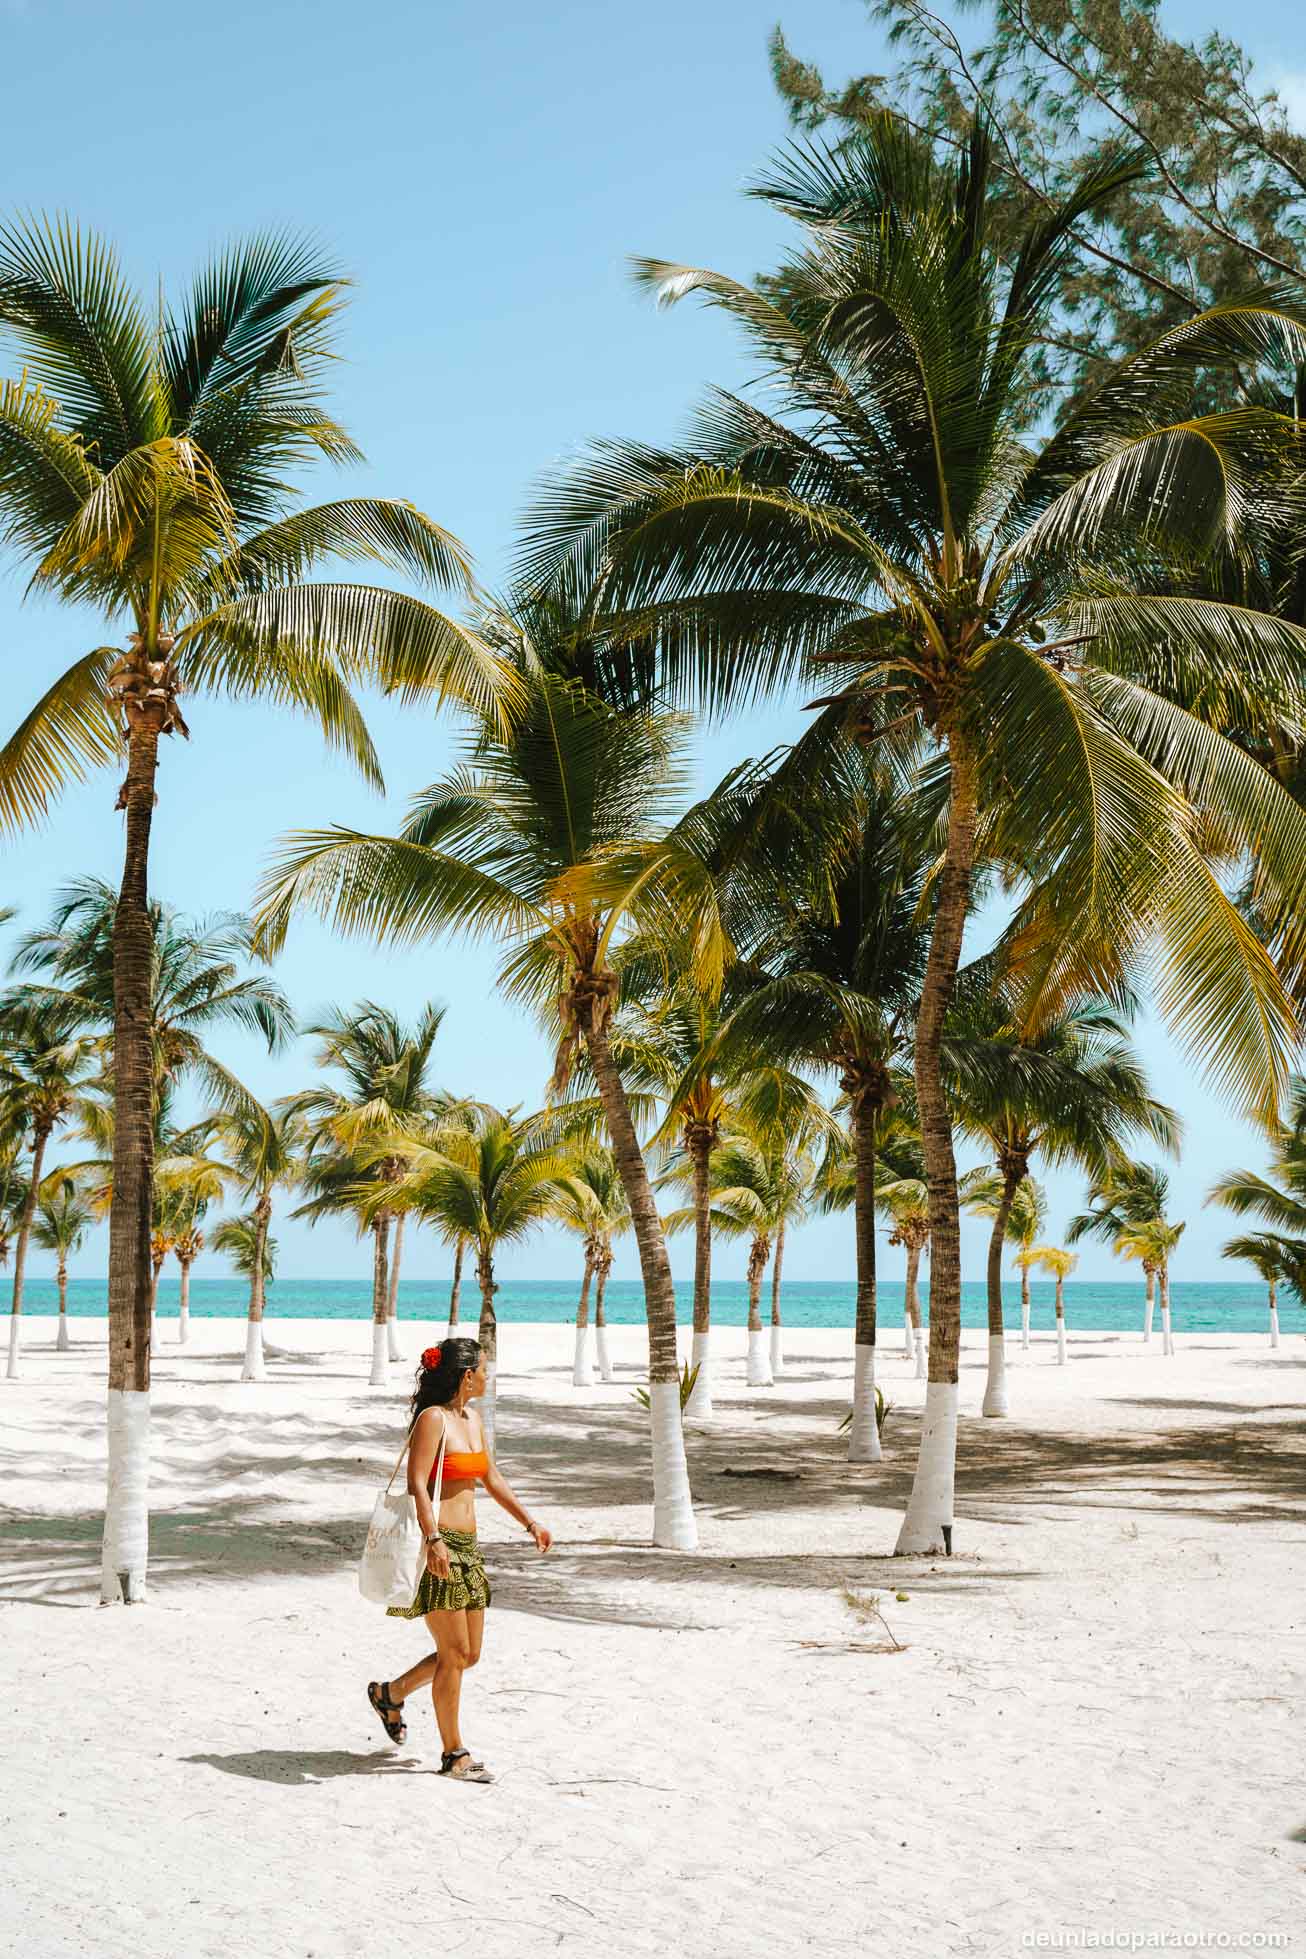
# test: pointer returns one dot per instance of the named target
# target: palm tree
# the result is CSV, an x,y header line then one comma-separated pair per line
x,y
844,959
386,1095
495,1193
186,1184
195,983
553,837
1128,1195
908,528
44,1075
147,456
60,1226
1071,1090
263,1147
253,1253
13,1192
1029,1214
607,1216
1060,1263
907,1202
1279,1200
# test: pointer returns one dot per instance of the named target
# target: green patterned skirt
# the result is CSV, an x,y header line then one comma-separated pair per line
x,y
466,1589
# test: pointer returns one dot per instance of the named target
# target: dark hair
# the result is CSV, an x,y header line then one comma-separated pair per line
x,y
436,1386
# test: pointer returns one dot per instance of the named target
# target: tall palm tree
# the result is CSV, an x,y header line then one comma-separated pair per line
x,y
906,1200
907,531
1060,1263
386,1094
1128,1195
1070,1090
1026,1218
607,1216
146,453
196,984
555,837
494,1193
45,1071
252,1252
186,1184
1153,1241
264,1148
843,953
60,1226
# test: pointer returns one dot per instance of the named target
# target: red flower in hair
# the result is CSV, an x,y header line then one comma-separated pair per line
x,y
431,1358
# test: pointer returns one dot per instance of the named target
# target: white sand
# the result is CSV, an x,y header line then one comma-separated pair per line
x,y
1096,1722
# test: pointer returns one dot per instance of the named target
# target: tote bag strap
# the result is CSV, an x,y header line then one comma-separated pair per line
x,y
439,1462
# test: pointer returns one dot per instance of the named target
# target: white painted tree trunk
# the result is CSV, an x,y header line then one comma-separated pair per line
x,y
1061,1339
1274,1326
699,1411
674,1528
183,1310
582,1366
394,1350
864,1430
125,1552
922,1359
1147,1310
759,1367
253,1369
63,1343
995,1387
380,1375
1167,1331
1024,1320
777,1351
486,1405
15,1329
930,1507
602,1355
908,1338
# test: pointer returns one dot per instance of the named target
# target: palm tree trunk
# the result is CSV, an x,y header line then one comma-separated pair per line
x,y
1167,1330
1149,1303
673,1509
1061,1322
698,1409
1024,1306
582,1366
488,1336
392,1293
913,1307
995,1387
456,1289
759,1368
253,1369
183,1310
601,1316
40,1137
1274,1313
380,1374
63,1343
125,1550
864,1430
927,1526
777,1328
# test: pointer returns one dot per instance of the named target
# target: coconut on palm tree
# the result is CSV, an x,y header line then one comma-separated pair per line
x,y
558,837
147,453
907,534
45,1072
62,1221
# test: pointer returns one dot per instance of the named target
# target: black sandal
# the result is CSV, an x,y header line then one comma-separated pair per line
x,y
388,1712
471,1772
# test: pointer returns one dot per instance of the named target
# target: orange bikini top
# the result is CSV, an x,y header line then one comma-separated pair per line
x,y
462,1468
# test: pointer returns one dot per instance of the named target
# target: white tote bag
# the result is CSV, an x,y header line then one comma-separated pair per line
x,y
392,1560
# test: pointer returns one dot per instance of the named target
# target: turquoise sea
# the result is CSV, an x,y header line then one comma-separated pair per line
x,y
1230,1308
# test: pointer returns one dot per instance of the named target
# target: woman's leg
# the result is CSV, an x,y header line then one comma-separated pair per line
x,y
457,1637
408,1682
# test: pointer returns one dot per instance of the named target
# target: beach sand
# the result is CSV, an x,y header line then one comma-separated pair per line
x,y
1096,1722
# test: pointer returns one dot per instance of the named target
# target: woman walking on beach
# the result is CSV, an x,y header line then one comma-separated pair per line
x,y
453,1590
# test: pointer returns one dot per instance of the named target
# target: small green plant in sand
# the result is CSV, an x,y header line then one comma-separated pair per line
x,y
866,1605
883,1410
688,1376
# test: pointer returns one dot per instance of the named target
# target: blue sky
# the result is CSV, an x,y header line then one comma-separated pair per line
x,y
482,174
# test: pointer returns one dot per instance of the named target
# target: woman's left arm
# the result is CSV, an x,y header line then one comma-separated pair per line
x,y
497,1485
